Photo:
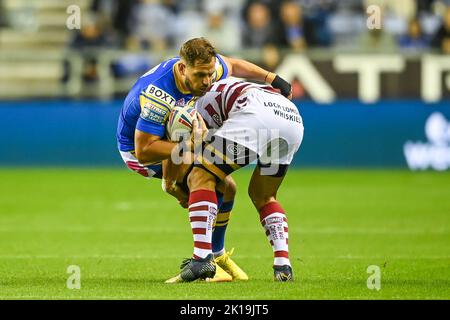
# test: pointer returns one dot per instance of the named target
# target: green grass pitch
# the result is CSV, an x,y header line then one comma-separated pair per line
x,y
127,236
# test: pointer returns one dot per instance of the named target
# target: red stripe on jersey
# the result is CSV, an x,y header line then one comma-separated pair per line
x,y
213,114
222,97
199,230
267,233
198,219
271,243
220,87
142,172
137,167
234,96
285,229
220,104
202,245
281,254
230,88
233,85
134,165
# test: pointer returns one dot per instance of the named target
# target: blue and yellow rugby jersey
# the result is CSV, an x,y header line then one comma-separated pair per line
x,y
149,102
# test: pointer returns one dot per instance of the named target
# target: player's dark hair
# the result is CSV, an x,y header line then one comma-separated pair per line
x,y
197,50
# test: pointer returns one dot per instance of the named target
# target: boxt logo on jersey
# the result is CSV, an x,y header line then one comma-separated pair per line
x,y
435,153
160,94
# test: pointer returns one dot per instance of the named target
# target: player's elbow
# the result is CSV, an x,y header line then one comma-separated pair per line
x,y
139,156
144,157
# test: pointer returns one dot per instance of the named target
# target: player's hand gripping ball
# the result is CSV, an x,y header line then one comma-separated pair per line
x,y
179,126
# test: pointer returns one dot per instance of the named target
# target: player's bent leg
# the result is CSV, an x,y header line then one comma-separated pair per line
x,y
221,157
200,179
202,184
263,190
202,213
233,272
222,257
225,191
223,215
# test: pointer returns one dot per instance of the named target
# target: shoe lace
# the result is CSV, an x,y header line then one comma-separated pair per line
x,y
185,262
229,253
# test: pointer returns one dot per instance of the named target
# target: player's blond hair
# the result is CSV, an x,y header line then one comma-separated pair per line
x,y
197,50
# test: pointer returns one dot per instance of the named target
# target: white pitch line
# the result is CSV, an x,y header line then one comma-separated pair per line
x,y
143,257
331,231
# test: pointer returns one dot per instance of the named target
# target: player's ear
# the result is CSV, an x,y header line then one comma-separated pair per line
x,y
182,68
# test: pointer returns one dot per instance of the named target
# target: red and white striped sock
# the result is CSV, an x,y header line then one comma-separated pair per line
x,y
274,221
202,214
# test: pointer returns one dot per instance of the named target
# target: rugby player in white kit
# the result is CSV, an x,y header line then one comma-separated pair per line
x,y
246,122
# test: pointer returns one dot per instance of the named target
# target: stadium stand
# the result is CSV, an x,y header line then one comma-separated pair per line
x,y
32,55
120,39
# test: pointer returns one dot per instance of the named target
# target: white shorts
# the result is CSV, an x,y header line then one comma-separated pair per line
x,y
154,170
267,123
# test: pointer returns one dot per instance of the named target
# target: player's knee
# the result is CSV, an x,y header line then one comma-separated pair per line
x,y
259,199
230,187
193,178
139,156
200,179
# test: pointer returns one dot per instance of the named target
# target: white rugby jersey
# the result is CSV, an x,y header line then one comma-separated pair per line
x,y
222,97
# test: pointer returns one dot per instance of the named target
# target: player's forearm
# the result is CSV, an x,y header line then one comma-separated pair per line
x,y
155,151
169,175
244,69
170,172
248,70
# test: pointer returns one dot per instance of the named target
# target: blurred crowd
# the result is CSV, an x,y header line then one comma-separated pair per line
x,y
142,28
262,31
266,24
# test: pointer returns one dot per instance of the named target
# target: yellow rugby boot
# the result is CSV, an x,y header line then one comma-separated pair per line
x,y
225,262
176,279
220,276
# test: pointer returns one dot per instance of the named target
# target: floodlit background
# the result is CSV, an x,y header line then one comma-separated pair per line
x,y
369,187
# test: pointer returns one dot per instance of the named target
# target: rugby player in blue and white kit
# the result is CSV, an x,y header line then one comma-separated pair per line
x,y
141,128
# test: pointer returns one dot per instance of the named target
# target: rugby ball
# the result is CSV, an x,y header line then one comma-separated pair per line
x,y
179,126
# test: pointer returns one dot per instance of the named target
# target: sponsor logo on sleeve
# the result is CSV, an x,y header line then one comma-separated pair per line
x,y
154,113
160,95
